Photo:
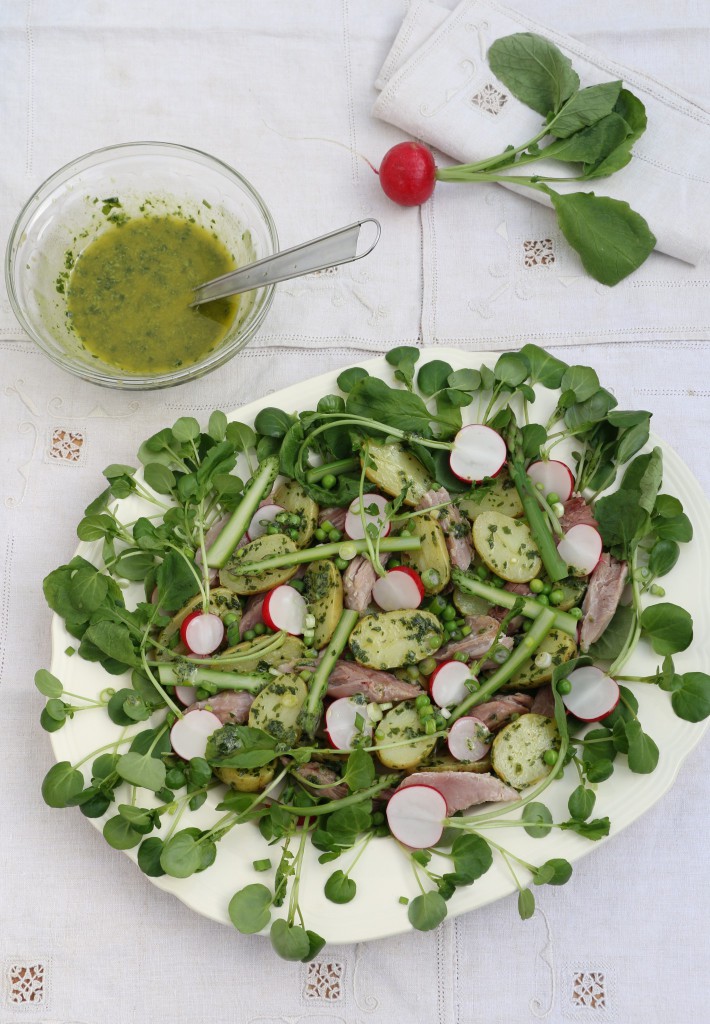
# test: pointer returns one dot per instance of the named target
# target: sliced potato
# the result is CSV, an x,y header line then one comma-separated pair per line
x,y
392,639
573,588
222,601
293,498
277,707
497,495
470,604
323,591
560,647
267,546
391,467
247,780
506,546
400,724
433,555
518,749
291,650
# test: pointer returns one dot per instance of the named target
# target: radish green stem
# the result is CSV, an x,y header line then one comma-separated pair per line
x,y
522,653
321,551
236,526
529,607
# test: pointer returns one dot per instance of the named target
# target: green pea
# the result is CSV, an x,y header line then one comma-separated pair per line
x,y
564,686
259,629
429,727
320,534
550,757
249,635
543,599
335,535
427,666
341,564
329,481
422,700
537,586
460,656
556,596
449,613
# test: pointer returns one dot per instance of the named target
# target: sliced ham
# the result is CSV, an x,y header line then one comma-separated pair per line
x,y
358,580
457,530
496,713
462,789
252,613
606,585
335,516
484,630
321,775
348,678
544,702
231,706
577,513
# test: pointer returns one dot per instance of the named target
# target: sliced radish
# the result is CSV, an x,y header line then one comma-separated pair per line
x,y
400,588
416,816
187,695
284,608
478,452
469,739
554,478
345,720
202,632
353,519
190,733
593,696
447,683
262,518
581,548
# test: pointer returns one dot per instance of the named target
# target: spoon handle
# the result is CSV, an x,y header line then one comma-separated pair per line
x,y
320,253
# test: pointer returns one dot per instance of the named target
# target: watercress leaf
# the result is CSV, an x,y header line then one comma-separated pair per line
x,y
217,425
176,580
472,857
48,723
61,783
181,855
290,941
433,376
272,422
596,829
56,709
691,700
538,818
533,436
558,871
600,770
511,368
114,640
374,399
348,822
115,708
139,818
199,772
613,639
142,770
667,506
249,909
454,397
581,803
403,358
582,380
316,943
427,911
48,684
159,477
88,589
99,504
339,888
611,239
135,708
290,446
96,803
149,854
120,834
534,70
585,108
545,369
133,564
464,380
349,378
103,766
116,470
584,415
644,476
359,770
678,528
662,557
668,626
526,904
94,527
642,752
621,519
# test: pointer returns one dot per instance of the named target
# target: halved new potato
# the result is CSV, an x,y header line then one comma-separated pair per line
x,y
517,754
391,467
291,496
323,592
400,724
506,546
555,649
431,560
257,550
247,780
497,495
392,639
291,649
276,708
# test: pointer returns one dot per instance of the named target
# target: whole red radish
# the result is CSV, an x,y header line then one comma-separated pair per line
x,y
408,173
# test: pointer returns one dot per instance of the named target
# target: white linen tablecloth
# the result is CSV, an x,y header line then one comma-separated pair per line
x,y
84,937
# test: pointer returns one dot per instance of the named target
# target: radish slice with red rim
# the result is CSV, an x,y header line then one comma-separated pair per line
x,y
353,519
346,719
285,609
581,548
190,733
187,695
553,477
593,696
469,739
416,816
478,452
202,632
400,588
447,683
262,518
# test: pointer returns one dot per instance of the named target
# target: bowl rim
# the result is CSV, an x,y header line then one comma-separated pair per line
x,y
139,382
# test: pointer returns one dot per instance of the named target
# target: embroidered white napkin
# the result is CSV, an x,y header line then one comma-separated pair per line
x,y
437,86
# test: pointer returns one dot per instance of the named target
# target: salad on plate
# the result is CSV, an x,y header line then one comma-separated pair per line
x,y
361,623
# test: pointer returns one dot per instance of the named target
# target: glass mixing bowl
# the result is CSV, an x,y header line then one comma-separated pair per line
x,y
69,211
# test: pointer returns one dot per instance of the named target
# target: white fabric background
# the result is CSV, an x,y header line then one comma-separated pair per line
x,y
114,949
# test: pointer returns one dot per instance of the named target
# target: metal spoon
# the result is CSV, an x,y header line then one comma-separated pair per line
x,y
319,254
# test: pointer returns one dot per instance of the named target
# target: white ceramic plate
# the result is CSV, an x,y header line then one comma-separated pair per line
x,y
383,873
